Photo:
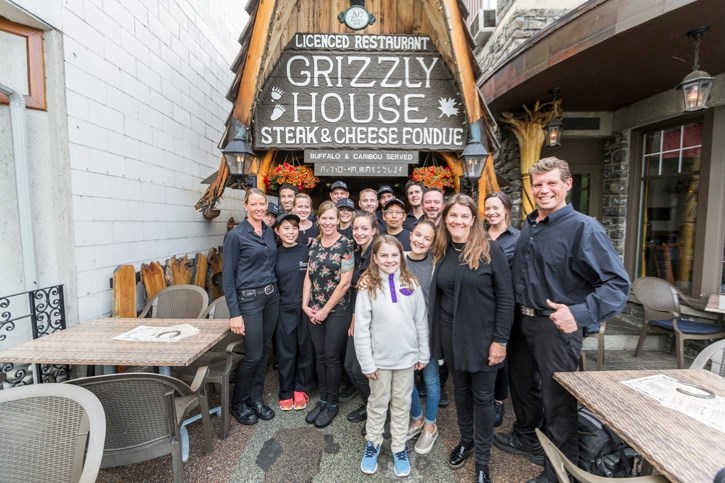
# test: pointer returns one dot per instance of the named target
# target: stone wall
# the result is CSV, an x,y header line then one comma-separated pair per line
x,y
615,179
507,164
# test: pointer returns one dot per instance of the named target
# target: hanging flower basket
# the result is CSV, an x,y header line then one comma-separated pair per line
x,y
300,176
439,177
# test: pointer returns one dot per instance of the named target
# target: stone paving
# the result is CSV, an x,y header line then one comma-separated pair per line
x,y
286,449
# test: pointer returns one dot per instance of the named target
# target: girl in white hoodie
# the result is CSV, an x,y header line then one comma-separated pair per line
x,y
391,340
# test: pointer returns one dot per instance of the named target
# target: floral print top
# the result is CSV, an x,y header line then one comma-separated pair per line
x,y
325,267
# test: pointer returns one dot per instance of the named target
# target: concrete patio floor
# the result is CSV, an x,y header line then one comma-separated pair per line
x,y
286,449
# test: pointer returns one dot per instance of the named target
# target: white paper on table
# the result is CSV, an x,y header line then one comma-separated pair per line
x,y
707,411
658,387
172,333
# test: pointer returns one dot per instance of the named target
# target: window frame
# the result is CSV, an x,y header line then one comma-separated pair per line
x,y
35,99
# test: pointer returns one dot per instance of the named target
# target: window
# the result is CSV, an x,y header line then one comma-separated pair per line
x,y
668,214
581,192
21,65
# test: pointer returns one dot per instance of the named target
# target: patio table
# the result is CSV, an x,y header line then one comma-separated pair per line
x,y
92,343
680,447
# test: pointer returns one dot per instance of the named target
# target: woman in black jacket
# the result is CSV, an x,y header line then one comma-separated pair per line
x,y
472,307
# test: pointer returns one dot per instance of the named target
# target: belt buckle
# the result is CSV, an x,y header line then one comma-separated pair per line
x,y
269,289
528,311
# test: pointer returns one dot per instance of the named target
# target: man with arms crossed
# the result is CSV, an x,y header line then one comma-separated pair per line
x,y
566,276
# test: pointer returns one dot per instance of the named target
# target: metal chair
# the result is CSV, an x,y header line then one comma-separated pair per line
x,y
144,414
597,331
714,355
46,429
563,467
177,302
222,360
661,312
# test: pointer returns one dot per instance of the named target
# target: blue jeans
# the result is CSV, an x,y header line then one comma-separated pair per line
x,y
432,381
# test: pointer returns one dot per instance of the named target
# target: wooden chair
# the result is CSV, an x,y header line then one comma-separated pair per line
x,y
177,302
144,414
661,312
564,467
222,360
46,429
597,331
711,357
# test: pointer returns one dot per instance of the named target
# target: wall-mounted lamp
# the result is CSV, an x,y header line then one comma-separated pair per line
x,y
473,159
555,126
243,164
697,84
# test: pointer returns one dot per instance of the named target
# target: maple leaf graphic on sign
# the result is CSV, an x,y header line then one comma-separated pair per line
x,y
447,106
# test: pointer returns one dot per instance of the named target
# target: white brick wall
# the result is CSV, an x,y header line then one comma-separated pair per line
x,y
145,84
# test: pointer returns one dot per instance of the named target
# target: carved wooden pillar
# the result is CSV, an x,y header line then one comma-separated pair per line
x,y
529,131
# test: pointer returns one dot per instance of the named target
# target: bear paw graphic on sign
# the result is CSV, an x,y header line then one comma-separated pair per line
x,y
276,94
277,112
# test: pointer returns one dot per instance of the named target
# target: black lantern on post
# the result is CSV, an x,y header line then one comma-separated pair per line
x,y
696,85
243,164
473,159
555,126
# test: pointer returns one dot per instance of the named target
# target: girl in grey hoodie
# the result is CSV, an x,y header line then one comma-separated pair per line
x,y
391,340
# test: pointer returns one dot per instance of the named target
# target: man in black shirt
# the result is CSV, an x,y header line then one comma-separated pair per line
x,y
566,276
385,194
393,216
414,192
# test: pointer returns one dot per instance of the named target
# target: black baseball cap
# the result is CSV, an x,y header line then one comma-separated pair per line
x,y
338,184
385,189
394,201
273,208
286,216
345,203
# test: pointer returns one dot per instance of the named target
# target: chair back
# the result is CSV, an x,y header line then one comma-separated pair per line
x,y
45,430
177,302
714,355
140,422
217,309
658,298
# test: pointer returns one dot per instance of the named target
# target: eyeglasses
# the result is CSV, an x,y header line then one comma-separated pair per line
x,y
395,213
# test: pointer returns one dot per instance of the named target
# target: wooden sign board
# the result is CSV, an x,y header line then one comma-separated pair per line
x,y
369,157
360,92
360,169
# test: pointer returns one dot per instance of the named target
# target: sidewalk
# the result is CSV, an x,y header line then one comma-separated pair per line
x,y
286,449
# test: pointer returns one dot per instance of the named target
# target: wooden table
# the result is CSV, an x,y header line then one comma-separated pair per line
x,y
92,343
678,446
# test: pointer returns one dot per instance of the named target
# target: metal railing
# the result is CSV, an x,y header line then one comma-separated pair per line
x,y
43,310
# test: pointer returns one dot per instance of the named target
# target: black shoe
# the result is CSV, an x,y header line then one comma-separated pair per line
x,y
540,478
358,415
498,412
443,403
459,454
264,412
482,474
510,443
312,415
244,414
326,416
346,392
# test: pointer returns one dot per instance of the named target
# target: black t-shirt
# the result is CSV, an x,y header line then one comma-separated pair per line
x,y
306,235
290,269
346,232
404,238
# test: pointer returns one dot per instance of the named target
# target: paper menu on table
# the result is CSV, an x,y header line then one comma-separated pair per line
x,y
172,333
709,411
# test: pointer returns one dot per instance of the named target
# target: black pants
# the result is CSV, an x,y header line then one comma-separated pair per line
x,y
352,367
329,339
501,390
295,354
260,318
537,349
473,393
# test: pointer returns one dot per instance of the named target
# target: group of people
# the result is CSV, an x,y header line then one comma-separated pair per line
x,y
381,293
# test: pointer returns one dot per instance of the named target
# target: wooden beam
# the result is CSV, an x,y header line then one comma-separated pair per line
x,y
265,165
255,58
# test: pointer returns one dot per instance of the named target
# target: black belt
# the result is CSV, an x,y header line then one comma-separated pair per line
x,y
266,290
532,312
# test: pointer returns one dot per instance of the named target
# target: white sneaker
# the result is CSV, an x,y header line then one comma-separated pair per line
x,y
426,440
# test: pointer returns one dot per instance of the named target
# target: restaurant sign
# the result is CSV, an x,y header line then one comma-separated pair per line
x,y
381,92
